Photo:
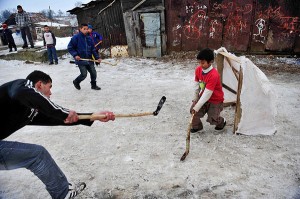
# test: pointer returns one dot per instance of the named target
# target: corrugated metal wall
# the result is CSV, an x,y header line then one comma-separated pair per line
x,y
109,23
238,25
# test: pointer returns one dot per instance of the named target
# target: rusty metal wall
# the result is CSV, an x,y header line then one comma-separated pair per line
x,y
109,23
238,25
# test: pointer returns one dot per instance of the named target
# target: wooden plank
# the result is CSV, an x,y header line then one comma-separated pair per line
x,y
238,110
230,56
226,104
220,65
235,72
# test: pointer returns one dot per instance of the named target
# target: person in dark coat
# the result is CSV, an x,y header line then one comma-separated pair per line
x,y
27,102
8,35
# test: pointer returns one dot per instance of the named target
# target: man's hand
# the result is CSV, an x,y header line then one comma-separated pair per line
x,y
77,58
99,60
72,117
109,116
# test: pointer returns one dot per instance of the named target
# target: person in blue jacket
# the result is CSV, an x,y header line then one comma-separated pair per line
x,y
81,47
96,37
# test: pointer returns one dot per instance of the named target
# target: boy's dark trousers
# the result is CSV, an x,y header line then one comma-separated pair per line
x,y
87,67
11,44
213,115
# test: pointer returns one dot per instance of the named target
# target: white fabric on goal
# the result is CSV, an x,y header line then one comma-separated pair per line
x,y
257,97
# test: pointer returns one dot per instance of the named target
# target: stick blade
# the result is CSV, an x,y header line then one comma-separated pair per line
x,y
159,106
184,156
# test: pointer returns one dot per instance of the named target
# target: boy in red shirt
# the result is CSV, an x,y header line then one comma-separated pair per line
x,y
209,95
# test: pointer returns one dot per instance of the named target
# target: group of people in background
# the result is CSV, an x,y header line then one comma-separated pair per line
x,y
83,46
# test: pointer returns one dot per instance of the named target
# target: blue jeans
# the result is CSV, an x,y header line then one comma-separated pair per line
x,y
14,155
89,66
52,54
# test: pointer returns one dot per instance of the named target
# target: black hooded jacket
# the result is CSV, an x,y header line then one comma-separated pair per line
x,y
21,104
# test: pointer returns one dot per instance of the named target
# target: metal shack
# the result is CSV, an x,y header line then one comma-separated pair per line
x,y
138,24
152,28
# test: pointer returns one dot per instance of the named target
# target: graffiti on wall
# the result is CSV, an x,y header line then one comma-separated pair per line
x,y
234,23
196,22
287,25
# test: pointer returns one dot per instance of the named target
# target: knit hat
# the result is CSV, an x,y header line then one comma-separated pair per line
x,y
4,25
19,6
90,26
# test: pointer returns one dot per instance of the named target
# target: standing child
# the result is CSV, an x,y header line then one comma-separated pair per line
x,y
50,42
81,47
8,35
96,37
209,95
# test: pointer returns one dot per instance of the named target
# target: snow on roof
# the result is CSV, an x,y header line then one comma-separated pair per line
x,y
51,24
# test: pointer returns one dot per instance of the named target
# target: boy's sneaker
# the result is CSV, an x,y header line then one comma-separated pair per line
x,y
76,84
219,128
96,87
195,130
74,190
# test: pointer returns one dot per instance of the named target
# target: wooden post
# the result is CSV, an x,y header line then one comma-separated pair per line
x,y
238,110
220,65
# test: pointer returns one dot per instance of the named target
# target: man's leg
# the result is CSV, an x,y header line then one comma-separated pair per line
x,y
28,33
14,155
23,34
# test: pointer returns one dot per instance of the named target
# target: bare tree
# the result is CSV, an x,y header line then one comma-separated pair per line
x,y
5,14
60,13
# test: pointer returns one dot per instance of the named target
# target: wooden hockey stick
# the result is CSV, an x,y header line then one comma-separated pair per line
x,y
93,117
188,140
98,43
105,62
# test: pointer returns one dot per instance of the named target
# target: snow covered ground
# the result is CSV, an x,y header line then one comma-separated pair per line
x,y
139,157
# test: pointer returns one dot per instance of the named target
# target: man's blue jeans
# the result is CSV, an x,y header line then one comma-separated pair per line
x,y
52,54
89,66
14,155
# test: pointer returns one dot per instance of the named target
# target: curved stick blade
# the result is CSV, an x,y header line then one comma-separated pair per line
x,y
160,104
184,156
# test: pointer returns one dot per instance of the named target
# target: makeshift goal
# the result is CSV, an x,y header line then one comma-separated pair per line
x,y
246,86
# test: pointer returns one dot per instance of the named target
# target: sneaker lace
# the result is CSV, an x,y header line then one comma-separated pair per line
x,y
75,190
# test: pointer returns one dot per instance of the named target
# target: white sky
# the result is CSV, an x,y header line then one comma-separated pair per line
x,y
38,5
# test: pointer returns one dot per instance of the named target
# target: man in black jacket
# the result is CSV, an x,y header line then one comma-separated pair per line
x,y
27,102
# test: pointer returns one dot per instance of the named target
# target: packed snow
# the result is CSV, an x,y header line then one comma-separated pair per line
x,y
140,157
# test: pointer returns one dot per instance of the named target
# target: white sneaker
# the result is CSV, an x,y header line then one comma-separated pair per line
x,y
74,190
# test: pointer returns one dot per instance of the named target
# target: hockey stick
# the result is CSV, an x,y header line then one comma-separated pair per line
x,y
93,117
188,140
98,43
105,62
